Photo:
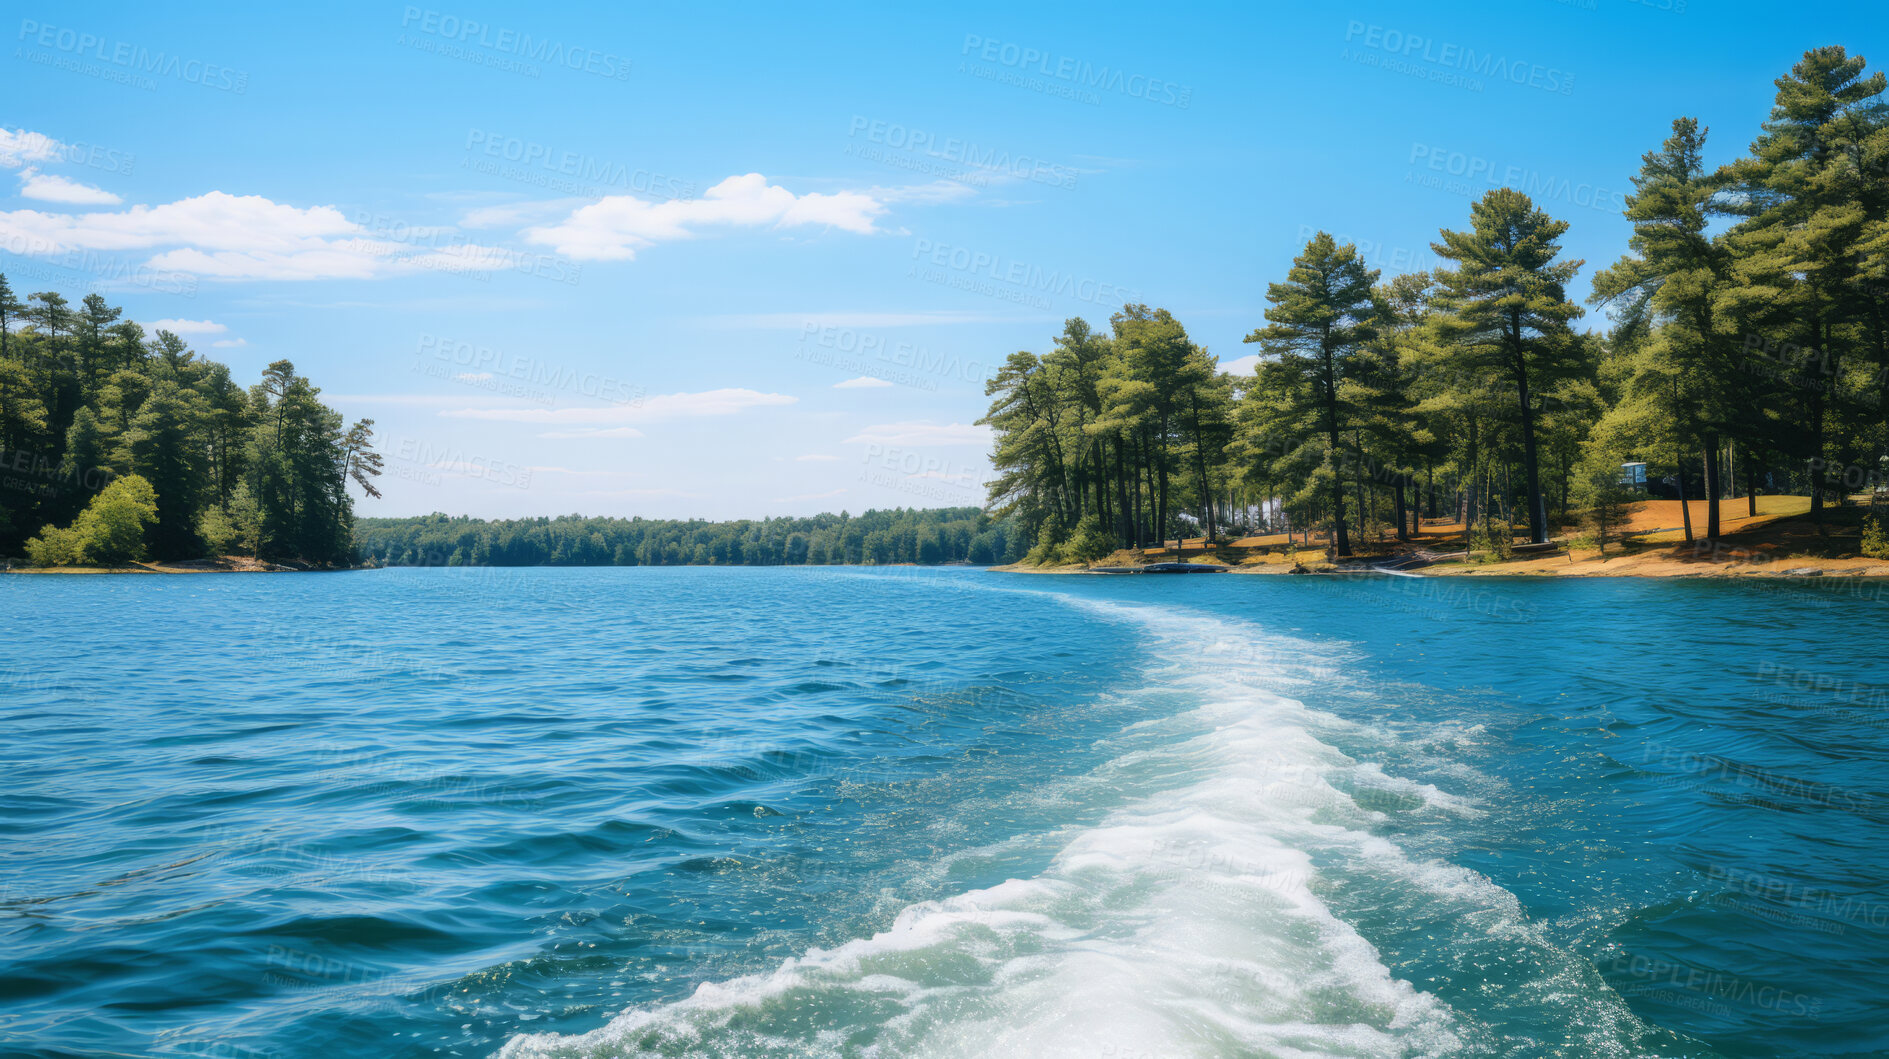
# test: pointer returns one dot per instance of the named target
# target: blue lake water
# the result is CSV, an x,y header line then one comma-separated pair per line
x,y
803,812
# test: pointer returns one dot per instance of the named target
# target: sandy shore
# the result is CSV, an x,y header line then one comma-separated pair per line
x,y
1779,542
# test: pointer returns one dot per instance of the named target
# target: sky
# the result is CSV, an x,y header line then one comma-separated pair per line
x,y
744,262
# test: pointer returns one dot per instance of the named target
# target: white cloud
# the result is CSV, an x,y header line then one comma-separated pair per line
x,y
663,406
244,237
507,215
18,147
815,457
598,432
216,221
616,226
188,327
864,382
49,187
923,432
1240,365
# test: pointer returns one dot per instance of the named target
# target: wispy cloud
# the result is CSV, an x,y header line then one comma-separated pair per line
x,y
923,432
51,187
226,236
615,227
1241,365
864,382
665,406
188,327
598,432
19,147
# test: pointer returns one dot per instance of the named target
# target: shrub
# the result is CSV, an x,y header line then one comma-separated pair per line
x,y
110,531
54,547
1091,542
1875,542
1495,537
1049,545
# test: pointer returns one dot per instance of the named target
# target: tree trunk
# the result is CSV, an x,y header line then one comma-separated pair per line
x,y
1817,344
1751,485
1358,478
1711,485
1122,524
1537,506
1200,459
1685,506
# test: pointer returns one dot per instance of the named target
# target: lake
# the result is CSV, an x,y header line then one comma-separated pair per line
x,y
940,812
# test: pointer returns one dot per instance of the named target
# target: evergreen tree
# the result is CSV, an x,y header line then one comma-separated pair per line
x,y
1319,322
1504,311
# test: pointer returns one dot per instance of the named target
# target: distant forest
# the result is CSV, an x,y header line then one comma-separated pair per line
x,y
116,446
902,535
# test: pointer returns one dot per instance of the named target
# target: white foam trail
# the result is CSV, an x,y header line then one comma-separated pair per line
x,y
1186,923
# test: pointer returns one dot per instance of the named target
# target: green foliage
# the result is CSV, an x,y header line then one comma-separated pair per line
x,y
1469,390
109,532
1319,322
1604,503
85,397
900,535
1875,544
55,547
1049,545
1091,541
1493,539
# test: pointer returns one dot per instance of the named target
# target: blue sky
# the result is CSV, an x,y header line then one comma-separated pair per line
x,y
672,262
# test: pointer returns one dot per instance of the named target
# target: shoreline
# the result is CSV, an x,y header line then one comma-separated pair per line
x,y
1779,542
229,564
1836,570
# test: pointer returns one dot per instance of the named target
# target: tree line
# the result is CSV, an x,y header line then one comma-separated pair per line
x,y
1748,350
900,535
117,446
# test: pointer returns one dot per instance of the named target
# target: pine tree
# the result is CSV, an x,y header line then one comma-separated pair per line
x,y
1318,325
1806,193
1504,310
1674,279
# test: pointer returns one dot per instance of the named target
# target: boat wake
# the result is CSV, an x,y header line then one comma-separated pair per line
x,y
1195,919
